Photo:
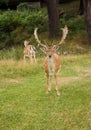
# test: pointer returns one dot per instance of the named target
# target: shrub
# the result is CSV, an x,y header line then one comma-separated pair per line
x,y
13,24
23,7
76,25
35,20
17,26
9,21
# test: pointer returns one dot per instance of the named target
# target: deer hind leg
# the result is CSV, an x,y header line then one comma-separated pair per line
x,y
35,59
57,89
24,58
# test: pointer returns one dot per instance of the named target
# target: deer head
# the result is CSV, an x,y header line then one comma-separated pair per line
x,y
26,43
50,50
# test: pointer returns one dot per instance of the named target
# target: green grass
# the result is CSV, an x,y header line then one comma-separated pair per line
x,y
25,106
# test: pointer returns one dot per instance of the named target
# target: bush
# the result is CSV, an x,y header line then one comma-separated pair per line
x,y
18,26
23,7
35,20
8,23
13,53
14,24
76,25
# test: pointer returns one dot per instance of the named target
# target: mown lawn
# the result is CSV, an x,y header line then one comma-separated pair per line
x,y
24,104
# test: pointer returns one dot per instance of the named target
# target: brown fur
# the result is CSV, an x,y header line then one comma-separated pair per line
x,y
56,66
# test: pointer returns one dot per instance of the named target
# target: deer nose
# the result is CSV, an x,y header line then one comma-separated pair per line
x,y
50,56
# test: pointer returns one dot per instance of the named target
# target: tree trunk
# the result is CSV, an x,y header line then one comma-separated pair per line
x,y
81,8
87,15
53,15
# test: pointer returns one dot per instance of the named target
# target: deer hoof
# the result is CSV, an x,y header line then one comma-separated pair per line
x,y
58,93
49,90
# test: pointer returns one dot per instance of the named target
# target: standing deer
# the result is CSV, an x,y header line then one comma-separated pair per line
x,y
29,51
52,60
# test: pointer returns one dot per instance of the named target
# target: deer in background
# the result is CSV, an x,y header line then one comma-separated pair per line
x,y
29,51
52,60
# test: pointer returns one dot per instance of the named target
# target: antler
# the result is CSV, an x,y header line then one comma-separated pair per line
x,y
64,34
37,39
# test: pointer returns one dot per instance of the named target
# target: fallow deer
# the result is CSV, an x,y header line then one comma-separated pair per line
x,y
29,51
52,60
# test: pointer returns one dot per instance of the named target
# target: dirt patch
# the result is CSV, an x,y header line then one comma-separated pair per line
x,y
16,81
66,80
87,71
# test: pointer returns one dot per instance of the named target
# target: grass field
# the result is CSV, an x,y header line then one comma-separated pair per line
x,y
24,104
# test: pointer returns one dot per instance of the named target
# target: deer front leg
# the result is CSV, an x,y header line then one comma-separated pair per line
x,y
48,84
57,89
47,87
50,80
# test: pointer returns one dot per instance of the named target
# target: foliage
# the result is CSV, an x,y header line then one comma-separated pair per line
x,y
13,24
9,21
76,25
23,7
15,27
35,20
4,1
18,26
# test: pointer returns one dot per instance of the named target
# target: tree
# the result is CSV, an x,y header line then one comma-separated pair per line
x,y
81,8
87,16
53,15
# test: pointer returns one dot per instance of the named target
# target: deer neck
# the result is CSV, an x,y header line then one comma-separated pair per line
x,y
51,66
